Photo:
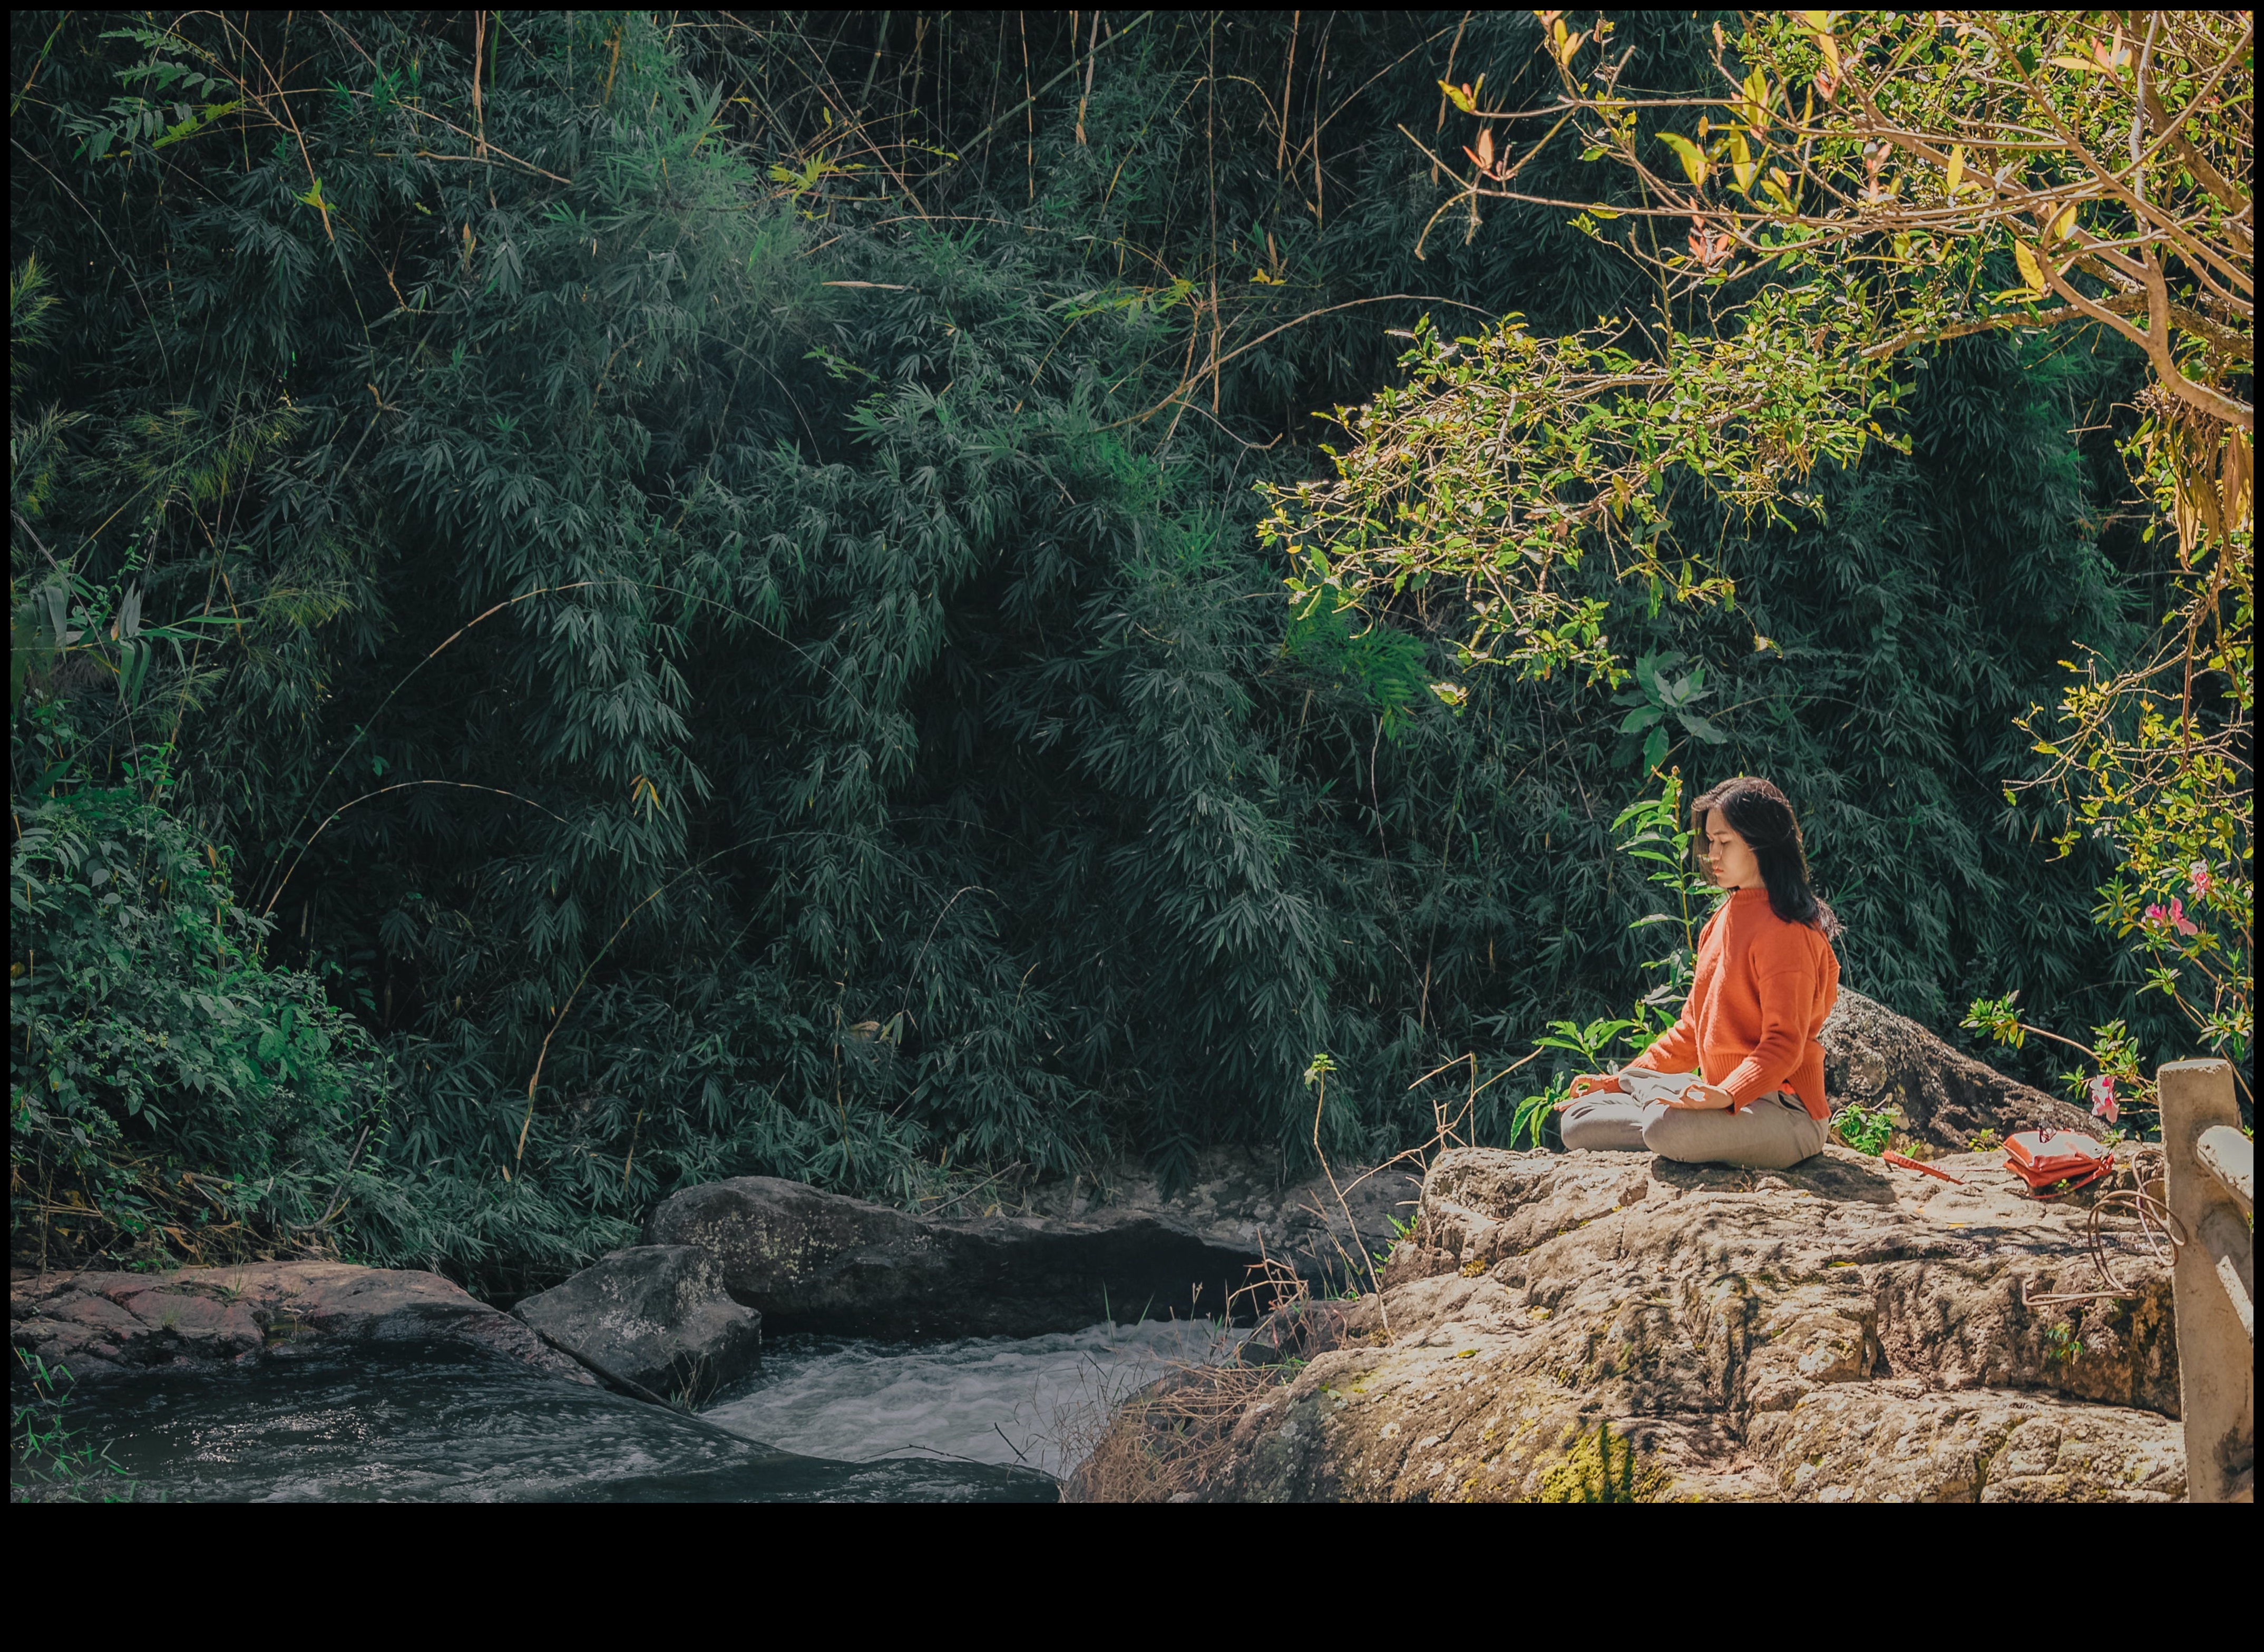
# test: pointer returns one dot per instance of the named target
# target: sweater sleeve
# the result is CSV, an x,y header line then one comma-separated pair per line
x,y
1787,989
1676,1049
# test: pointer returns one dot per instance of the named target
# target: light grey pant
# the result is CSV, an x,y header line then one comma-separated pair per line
x,y
1775,1132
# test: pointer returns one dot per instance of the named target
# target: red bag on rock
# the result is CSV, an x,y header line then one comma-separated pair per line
x,y
2043,1158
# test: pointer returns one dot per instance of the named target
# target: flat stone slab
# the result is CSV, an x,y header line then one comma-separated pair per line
x,y
97,1324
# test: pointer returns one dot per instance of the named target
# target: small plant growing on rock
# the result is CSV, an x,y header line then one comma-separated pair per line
x,y
2062,1346
1533,1112
1401,1227
1589,1043
1865,1129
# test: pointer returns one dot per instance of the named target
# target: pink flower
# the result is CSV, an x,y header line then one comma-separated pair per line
x,y
2199,879
2172,916
2102,1099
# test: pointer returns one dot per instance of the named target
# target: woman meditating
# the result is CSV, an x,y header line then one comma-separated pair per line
x,y
1739,1077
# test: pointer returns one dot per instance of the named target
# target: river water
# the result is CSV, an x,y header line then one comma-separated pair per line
x,y
828,1420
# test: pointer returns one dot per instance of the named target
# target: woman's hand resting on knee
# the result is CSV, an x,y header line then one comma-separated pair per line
x,y
1588,1084
1701,1098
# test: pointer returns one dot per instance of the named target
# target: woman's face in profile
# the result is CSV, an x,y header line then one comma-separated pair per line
x,y
1729,863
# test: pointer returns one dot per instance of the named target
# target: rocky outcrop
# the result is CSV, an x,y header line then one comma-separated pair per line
x,y
1582,1326
656,1316
100,1324
1940,1098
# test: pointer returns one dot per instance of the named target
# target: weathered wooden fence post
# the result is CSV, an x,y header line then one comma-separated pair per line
x,y
2212,1193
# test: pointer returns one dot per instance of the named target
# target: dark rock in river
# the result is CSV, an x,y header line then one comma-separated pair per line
x,y
817,1260
655,1315
97,1324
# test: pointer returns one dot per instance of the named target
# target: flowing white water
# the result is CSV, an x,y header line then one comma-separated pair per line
x,y
415,1424
1033,1401
826,1420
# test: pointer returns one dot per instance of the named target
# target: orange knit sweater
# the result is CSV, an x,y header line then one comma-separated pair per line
x,y
1756,1007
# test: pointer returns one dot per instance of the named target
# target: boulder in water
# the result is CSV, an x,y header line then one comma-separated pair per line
x,y
654,1315
810,1259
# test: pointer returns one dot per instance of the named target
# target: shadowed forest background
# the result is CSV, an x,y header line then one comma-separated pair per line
x,y
714,560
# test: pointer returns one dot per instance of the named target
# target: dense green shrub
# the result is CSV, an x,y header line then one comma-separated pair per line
x,y
166,1080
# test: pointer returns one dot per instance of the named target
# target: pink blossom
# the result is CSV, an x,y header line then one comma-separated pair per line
x,y
2102,1098
2200,878
2172,916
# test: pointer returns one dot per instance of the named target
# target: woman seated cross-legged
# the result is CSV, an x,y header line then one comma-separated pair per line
x,y
1739,1077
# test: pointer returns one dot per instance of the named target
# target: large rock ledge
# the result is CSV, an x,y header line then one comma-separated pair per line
x,y
104,1325
1841,1331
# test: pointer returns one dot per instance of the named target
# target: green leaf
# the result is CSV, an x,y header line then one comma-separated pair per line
x,y
1694,164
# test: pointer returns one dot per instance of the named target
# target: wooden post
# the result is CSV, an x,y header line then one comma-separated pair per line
x,y
2214,1286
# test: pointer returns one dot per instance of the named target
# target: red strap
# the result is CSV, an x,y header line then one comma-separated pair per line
x,y
1923,1170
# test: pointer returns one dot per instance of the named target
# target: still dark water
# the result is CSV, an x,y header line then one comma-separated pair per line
x,y
988,1421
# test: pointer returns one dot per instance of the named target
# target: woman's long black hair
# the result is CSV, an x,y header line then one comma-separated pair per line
x,y
1761,815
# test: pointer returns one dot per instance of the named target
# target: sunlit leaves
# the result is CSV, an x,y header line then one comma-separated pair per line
x,y
2031,271
1506,455
1694,164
